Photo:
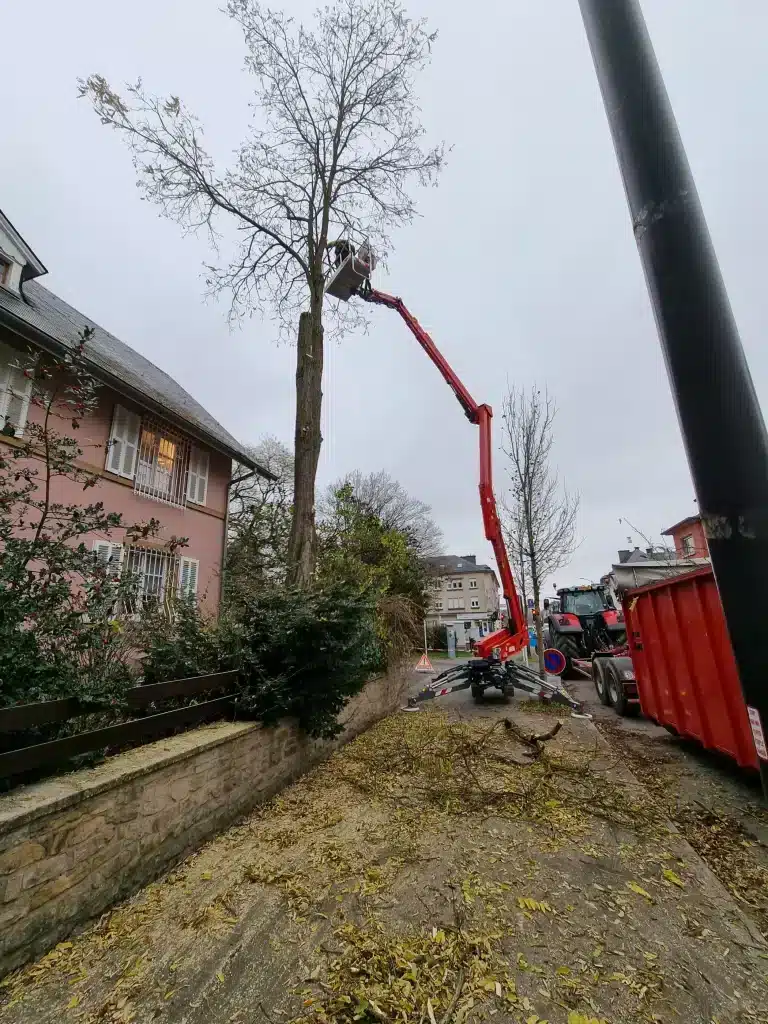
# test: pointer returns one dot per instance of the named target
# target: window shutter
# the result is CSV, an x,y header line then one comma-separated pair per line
x,y
109,553
188,569
197,483
15,390
123,442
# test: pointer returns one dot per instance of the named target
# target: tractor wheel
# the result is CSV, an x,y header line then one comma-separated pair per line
x,y
570,650
616,693
477,692
599,668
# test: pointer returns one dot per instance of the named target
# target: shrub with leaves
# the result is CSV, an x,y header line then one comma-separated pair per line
x,y
305,653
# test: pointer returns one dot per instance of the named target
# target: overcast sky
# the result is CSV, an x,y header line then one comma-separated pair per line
x,y
522,262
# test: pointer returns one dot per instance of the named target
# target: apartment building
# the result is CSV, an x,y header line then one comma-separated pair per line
x,y
157,452
465,596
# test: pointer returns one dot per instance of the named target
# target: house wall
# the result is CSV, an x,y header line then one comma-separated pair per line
x,y
700,546
203,525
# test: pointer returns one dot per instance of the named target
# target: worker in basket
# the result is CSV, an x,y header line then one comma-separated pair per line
x,y
341,249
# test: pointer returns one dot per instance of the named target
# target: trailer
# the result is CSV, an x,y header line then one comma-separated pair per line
x,y
678,667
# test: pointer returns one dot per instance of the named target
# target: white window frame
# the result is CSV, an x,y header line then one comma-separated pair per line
x,y
197,475
456,604
473,584
688,549
475,603
456,585
124,437
189,568
8,357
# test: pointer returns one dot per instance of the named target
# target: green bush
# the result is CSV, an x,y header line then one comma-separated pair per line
x,y
301,654
188,644
305,653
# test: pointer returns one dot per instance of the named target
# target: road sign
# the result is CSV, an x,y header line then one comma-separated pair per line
x,y
424,665
554,661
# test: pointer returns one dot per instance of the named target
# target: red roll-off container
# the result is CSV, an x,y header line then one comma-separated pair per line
x,y
684,664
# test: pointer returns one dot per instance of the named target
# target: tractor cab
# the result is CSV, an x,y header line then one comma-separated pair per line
x,y
350,271
586,622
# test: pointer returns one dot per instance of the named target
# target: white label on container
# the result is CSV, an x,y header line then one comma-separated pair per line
x,y
757,733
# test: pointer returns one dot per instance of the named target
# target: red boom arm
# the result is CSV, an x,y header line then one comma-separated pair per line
x,y
511,640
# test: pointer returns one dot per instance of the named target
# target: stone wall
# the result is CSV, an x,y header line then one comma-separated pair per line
x,y
73,845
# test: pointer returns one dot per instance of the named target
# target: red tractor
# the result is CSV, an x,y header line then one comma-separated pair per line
x,y
587,623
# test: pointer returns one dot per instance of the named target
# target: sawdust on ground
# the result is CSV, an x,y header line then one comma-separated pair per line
x,y
435,871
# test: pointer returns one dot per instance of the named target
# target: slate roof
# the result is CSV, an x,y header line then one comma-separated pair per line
x,y
453,564
47,320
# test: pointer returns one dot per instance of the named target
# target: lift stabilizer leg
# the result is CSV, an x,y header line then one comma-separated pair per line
x,y
461,677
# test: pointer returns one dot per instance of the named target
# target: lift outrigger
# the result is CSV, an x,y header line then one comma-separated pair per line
x,y
497,665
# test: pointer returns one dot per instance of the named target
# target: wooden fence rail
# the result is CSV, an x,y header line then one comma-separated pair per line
x,y
21,717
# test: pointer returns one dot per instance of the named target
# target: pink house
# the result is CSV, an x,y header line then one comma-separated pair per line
x,y
689,538
158,453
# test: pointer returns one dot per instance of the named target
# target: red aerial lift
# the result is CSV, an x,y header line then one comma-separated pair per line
x,y
495,666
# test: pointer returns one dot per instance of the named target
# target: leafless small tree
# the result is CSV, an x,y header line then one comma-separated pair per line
x,y
541,514
389,501
259,520
335,144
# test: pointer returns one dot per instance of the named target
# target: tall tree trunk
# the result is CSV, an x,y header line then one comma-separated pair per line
x,y
307,442
536,588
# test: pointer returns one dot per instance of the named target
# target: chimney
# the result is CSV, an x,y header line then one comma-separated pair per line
x,y
623,555
472,559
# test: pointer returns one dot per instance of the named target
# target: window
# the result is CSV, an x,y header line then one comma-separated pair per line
x,y
455,603
188,570
473,584
15,392
475,602
438,606
123,443
455,585
687,545
5,271
161,471
160,575
197,477
156,459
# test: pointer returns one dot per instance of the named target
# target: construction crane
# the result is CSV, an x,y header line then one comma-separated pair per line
x,y
495,665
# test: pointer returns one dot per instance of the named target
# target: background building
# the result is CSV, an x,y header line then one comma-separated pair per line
x,y
465,596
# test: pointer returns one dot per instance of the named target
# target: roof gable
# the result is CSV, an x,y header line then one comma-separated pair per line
x,y
14,246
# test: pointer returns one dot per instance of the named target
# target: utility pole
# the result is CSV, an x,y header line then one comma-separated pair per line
x,y
720,418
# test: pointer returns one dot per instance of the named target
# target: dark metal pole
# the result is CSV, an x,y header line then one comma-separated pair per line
x,y
720,418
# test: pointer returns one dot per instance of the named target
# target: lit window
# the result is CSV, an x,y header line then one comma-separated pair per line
x,y
15,392
161,471
687,545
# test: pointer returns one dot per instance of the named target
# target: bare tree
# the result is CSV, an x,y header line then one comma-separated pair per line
x,y
260,511
389,501
337,141
541,517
